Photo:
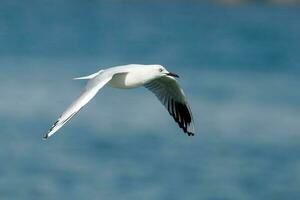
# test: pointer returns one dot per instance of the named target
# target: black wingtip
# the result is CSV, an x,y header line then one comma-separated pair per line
x,y
190,134
45,137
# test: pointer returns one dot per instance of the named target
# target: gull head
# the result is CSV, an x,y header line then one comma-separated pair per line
x,y
160,71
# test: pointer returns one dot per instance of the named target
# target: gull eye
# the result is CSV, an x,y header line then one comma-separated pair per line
x,y
160,70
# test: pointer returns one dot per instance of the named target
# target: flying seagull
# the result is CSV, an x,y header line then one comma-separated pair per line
x,y
154,77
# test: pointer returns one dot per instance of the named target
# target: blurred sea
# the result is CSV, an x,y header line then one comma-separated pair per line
x,y
239,67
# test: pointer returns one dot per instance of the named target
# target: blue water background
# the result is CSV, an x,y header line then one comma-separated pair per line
x,y
239,67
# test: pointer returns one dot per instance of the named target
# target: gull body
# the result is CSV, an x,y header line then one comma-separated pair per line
x,y
154,77
133,75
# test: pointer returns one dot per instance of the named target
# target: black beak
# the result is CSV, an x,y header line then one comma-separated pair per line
x,y
172,74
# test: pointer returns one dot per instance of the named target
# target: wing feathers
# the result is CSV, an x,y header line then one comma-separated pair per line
x,y
172,97
92,88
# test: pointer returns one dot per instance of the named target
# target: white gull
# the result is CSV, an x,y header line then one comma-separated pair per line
x,y
154,77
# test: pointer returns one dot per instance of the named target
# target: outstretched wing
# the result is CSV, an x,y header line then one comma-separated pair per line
x,y
92,87
168,91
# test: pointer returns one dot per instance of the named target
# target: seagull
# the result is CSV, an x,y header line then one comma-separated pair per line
x,y
154,77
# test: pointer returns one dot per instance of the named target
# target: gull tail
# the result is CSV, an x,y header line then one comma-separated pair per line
x,y
89,76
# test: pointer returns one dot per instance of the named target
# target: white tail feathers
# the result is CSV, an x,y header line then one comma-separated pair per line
x,y
89,76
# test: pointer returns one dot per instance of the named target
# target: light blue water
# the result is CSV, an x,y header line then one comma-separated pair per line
x,y
238,67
